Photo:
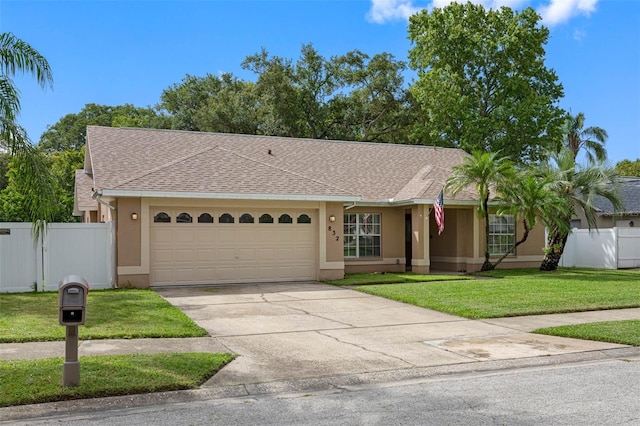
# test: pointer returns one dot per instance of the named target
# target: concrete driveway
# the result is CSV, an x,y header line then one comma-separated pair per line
x,y
294,331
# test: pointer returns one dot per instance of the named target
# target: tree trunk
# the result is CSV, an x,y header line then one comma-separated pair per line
x,y
556,242
487,266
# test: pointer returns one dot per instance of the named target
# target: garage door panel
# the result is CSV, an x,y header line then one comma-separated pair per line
x,y
206,275
184,235
184,275
226,253
227,235
163,276
303,253
205,255
205,236
246,254
163,235
245,236
184,255
267,254
162,256
265,235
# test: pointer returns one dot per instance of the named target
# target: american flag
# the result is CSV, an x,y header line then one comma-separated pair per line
x,y
438,211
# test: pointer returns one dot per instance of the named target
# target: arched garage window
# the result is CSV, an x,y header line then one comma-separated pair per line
x,y
205,218
162,217
184,218
246,218
226,218
303,218
265,218
285,218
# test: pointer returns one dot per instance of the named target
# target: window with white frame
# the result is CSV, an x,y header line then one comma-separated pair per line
x,y
502,233
362,235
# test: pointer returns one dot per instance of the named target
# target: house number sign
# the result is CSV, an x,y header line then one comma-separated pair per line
x,y
332,232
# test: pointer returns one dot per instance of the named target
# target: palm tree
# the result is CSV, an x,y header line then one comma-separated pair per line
x,y
531,198
579,186
591,139
484,170
17,56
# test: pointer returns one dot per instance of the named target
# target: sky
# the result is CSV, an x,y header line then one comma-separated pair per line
x,y
115,52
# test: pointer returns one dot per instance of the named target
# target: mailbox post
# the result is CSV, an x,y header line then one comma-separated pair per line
x,y
72,304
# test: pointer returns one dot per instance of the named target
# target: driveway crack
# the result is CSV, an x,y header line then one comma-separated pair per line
x,y
364,348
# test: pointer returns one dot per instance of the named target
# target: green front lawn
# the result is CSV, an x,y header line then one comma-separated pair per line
x,y
505,293
623,332
38,381
111,314
393,278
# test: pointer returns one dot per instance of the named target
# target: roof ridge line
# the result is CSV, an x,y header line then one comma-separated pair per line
x,y
165,165
286,171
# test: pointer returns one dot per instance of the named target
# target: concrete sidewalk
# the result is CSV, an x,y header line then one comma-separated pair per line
x,y
303,331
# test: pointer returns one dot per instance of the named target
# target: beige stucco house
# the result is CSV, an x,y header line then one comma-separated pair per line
x,y
200,208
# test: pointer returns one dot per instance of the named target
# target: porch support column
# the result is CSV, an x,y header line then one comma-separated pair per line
x,y
420,261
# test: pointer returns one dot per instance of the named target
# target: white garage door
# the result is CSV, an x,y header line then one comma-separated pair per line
x,y
200,246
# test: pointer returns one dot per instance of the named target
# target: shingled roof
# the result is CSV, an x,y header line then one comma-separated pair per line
x,y
629,195
146,161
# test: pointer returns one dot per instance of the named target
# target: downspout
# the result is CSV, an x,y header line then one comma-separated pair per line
x,y
351,206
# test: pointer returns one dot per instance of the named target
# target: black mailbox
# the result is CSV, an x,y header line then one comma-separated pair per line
x,y
72,300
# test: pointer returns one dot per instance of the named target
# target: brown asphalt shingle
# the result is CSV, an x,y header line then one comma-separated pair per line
x,y
180,161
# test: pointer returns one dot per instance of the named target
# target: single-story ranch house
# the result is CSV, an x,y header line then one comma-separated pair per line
x,y
203,208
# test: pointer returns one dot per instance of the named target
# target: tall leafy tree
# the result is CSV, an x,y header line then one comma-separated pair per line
x,y
482,82
375,106
578,185
297,95
18,57
628,167
70,132
591,139
485,171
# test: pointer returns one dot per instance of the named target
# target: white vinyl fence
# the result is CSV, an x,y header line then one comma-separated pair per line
x,y
611,248
85,249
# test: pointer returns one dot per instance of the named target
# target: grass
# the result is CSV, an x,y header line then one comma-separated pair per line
x,y
38,381
393,278
111,314
623,332
521,292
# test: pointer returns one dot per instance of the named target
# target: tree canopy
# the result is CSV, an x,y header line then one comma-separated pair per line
x,y
482,81
70,132
628,167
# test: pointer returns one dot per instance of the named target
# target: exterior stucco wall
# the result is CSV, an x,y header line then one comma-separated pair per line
x,y
392,248
128,232
453,250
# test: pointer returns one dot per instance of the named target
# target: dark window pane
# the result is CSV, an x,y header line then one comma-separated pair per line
x,y
184,218
205,218
285,218
226,218
303,218
246,218
162,217
266,218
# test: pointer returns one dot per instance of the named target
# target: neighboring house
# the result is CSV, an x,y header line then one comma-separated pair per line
x,y
196,208
606,217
